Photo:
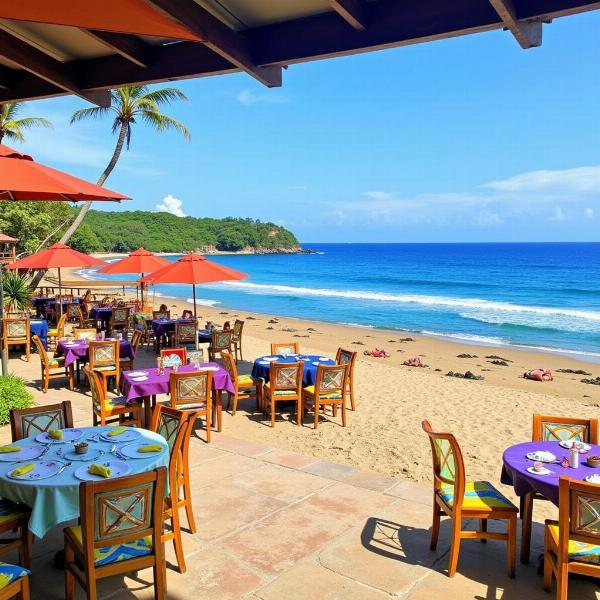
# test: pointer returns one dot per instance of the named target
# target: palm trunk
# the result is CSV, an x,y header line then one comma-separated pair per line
x,y
87,205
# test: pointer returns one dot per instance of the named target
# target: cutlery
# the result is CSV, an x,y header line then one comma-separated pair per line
x,y
64,467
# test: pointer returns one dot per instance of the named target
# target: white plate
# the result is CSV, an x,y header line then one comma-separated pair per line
x,y
131,450
91,455
69,435
42,470
136,373
316,364
70,344
26,453
264,362
270,358
593,478
208,369
127,436
544,471
545,457
568,443
118,468
140,378
324,359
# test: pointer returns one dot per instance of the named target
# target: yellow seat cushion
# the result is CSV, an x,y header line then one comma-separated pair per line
x,y
10,573
479,495
245,380
331,396
106,368
112,554
279,392
578,551
56,361
110,403
52,331
10,511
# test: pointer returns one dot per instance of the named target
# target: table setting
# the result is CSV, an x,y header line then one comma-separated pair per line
x,y
74,350
44,472
262,365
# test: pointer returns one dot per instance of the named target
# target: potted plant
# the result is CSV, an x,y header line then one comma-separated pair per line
x,y
17,292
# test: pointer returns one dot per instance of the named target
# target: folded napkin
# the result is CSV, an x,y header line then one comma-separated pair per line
x,y
55,434
22,470
150,448
544,456
10,448
100,470
117,431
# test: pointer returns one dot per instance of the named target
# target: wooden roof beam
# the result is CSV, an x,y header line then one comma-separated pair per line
x,y
129,47
527,33
45,67
352,11
220,38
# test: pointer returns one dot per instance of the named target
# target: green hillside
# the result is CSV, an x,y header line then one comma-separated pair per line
x,y
164,232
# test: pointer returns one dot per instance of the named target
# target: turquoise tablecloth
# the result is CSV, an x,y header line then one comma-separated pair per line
x,y
56,499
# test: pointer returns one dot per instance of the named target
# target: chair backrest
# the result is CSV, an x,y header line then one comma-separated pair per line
x,y
96,389
238,328
29,422
103,354
578,509
121,510
190,388
60,326
73,311
286,377
285,348
448,464
185,333
84,334
136,339
229,365
16,329
170,422
331,380
120,316
173,356
41,351
346,357
159,315
195,356
221,340
106,301
556,429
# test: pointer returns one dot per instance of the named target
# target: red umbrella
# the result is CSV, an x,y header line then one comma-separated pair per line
x,y
193,268
141,261
56,257
21,178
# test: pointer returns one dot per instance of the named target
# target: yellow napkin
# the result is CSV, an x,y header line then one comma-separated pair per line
x,y
117,431
101,470
10,448
22,470
55,434
150,448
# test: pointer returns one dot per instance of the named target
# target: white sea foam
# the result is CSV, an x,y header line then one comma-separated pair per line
x,y
203,302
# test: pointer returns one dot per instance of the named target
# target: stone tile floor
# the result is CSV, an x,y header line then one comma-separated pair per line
x,y
275,525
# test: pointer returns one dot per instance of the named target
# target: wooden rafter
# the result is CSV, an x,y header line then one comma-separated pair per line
x,y
220,38
352,11
130,47
527,33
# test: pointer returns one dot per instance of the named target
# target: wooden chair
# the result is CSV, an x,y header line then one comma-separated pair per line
x,y
121,531
52,367
126,364
75,314
238,330
193,392
104,359
285,348
148,336
159,315
347,357
16,580
221,341
175,426
85,334
16,332
119,320
173,356
573,544
185,334
245,386
455,497
58,332
284,385
327,391
29,422
110,410
551,429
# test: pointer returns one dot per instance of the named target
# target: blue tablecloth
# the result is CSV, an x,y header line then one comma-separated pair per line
x,y
56,499
39,327
261,367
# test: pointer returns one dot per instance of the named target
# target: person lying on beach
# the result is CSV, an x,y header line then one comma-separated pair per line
x,y
538,375
414,362
377,353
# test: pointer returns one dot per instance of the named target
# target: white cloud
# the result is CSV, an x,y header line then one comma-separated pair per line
x,y
379,195
487,218
248,97
589,213
559,214
172,205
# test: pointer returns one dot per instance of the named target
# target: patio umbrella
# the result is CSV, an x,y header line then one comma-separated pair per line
x,y
56,257
141,261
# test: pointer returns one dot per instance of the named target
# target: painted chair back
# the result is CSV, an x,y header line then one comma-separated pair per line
x,y
173,357
557,429
104,354
29,422
188,389
286,377
285,348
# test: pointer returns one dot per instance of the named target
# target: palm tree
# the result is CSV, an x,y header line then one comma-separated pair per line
x,y
11,127
129,104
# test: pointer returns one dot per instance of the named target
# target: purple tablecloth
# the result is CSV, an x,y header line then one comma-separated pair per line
x,y
164,326
159,384
514,471
102,314
80,351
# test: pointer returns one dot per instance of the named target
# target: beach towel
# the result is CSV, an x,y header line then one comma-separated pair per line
x,y
538,375
377,353
414,362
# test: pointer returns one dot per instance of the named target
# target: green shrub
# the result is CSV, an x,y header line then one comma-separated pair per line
x,y
13,394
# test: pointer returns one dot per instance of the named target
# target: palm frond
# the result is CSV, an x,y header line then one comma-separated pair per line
x,y
165,95
94,112
28,122
14,134
10,110
162,122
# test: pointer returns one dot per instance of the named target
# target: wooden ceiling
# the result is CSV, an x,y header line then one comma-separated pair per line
x,y
88,48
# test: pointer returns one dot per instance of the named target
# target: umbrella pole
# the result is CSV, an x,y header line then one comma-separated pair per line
x,y
59,295
195,318
142,294
2,351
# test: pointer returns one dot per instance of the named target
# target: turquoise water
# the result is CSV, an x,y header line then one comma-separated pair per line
x,y
538,295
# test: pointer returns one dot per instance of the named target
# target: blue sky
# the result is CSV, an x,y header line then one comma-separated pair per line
x,y
468,139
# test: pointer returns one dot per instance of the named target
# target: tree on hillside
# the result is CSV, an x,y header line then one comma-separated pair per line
x,y
130,105
11,127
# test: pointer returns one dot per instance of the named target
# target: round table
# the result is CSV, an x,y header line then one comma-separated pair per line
x,y
261,368
56,499
79,350
102,315
514,470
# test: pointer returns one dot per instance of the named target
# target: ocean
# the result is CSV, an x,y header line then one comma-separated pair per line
x,y
544,296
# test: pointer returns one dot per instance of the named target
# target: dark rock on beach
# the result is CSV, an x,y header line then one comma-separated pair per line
x,y
595,381
573,371
273,321
501,363
407,339
496,357
467,356
465,375
358,343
